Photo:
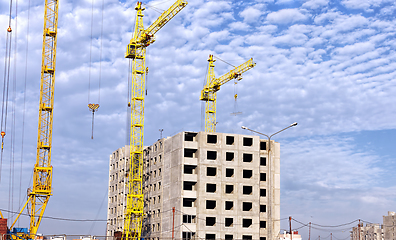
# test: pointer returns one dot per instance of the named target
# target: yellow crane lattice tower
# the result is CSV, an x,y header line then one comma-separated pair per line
x,y
136,52
209,92
41,191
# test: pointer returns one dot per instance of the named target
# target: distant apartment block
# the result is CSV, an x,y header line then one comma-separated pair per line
x,y
221,186
368,232
390,226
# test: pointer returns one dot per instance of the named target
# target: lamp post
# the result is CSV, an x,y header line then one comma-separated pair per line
x,y
270,193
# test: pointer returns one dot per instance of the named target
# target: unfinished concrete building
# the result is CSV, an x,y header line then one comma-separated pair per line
x,y
203,185
371,231
390,226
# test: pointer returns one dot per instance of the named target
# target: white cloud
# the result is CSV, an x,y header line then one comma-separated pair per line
x,y
286,16
252,14
315,4
366,5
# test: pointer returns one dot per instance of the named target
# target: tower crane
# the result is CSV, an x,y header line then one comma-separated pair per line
x,y
41,191
209,92
136,52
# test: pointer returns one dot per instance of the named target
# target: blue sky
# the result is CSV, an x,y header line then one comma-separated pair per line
x,y
328,65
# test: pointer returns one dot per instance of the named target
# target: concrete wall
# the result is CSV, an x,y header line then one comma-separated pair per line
x,y
186,166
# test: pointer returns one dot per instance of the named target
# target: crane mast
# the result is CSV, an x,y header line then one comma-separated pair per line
x,y
136,52
209,92
41,191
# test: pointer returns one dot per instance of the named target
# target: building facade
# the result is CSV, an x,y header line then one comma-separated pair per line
x,y
390,226
371,231
203,185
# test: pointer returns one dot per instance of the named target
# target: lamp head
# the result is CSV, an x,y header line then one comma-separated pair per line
x,y
243,127
294,124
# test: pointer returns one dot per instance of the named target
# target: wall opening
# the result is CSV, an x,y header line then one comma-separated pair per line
x,y
247,157
211,171
210,221
211,155
263,192
247,190
230,140
263,224
229,156
187,235
190,136
190,153
229,222
229,172
263,145
229,205
246,206
247,141
212,139
247,173
189,186
210,236
263,177
228,237
189,202
189,218
246,222
263,161
210,204
246,237
190,169
263,208
210,187
229,189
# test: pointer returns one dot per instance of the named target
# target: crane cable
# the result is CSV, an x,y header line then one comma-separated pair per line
x,y
93,107
6,80
24,103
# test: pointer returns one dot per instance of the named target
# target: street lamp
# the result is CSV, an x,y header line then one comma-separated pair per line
x,y
269,177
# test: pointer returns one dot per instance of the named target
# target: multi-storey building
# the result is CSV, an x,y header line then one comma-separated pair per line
x,y
371,231
390,226
203,185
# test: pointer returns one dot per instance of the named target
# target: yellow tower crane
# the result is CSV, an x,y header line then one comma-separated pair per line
x,y
209,92
136,52
41,191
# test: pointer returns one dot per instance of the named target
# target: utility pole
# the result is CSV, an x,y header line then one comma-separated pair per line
x,y
291,235
309,236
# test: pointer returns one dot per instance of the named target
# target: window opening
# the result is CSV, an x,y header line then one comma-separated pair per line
x,y
229,205
190,153
210,204
210,187
211,171
246,206
246,222
263,192
189,136
247,190
211,155
188,218
263,224
212,139
229,172
263,161
210,221
229,222
210,236
229,237
247,157
263,208
188,202
263,177
246,237
189,186
230,141
229,189
247,173
263,145
229,156
189,169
